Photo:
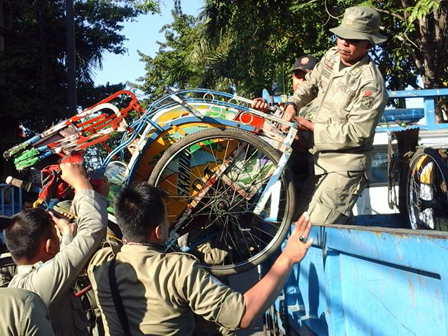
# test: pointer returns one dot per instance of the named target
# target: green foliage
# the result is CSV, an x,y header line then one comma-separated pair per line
x,y
33,83
178,61
245,46
421,9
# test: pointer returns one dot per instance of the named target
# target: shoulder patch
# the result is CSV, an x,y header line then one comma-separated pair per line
x,y
367,102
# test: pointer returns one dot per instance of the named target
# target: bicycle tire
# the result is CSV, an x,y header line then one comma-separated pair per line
x,y
427,196
241,240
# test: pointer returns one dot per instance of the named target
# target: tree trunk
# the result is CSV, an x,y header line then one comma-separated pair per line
x,y
46,94
2,26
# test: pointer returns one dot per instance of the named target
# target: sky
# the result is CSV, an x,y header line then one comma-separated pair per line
x,y
142,35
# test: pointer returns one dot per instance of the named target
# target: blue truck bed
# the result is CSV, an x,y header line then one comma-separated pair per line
x,y
368,281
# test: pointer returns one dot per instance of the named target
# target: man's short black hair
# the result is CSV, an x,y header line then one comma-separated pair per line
x,y
139,208
27,230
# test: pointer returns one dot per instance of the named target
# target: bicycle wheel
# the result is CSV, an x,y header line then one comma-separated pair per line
x,y
215,178
427,196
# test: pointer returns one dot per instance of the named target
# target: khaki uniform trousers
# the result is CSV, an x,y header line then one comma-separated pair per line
x,y
334,197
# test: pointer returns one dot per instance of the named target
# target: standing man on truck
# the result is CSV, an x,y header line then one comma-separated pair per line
x,y
342,101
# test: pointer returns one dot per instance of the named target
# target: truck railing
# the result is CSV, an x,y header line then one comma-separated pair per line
x,y
391,115
429,110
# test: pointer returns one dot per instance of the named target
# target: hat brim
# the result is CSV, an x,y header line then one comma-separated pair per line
x,y
349,34
301,68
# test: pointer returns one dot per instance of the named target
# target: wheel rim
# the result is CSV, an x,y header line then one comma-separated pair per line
x,y
227,234
427,193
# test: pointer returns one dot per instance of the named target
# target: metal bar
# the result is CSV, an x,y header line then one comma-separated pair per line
x,y
430,112
278,170
418,93
11,197
2,197
20,199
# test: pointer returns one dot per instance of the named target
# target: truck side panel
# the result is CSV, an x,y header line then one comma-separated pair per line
x,y
370,281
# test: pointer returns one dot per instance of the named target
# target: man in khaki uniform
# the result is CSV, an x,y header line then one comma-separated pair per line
x,y
302,66
23,313
342,101
49,268
158,292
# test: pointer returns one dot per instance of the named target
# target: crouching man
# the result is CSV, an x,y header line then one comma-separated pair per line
x,y
142,290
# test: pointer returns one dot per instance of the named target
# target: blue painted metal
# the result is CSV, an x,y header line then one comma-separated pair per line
x,y
429,110
10,199
370,281
409,115
403,115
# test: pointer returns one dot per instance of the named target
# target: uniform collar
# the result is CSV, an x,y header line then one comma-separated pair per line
x,y
129,246
25,269
354,70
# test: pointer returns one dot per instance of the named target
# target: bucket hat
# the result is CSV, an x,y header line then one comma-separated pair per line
x,y
360,23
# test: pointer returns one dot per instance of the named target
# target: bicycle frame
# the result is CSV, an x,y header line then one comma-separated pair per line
x,y
213,109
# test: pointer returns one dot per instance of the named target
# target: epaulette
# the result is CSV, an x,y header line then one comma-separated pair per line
x,y
355,72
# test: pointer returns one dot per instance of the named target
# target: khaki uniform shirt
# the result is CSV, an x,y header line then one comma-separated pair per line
x,y
53,280
345,104
160,291
23,313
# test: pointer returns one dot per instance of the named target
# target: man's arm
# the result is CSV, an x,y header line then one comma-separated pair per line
x,y
263,294
57,275
35,320
305,93
216,302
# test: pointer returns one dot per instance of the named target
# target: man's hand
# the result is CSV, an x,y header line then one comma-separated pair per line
x,y
263,294
304,124
75,175
297,244
288,115
63,225
260,104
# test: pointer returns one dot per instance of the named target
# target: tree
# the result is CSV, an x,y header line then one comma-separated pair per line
x,y
251,45
176,62
32,66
